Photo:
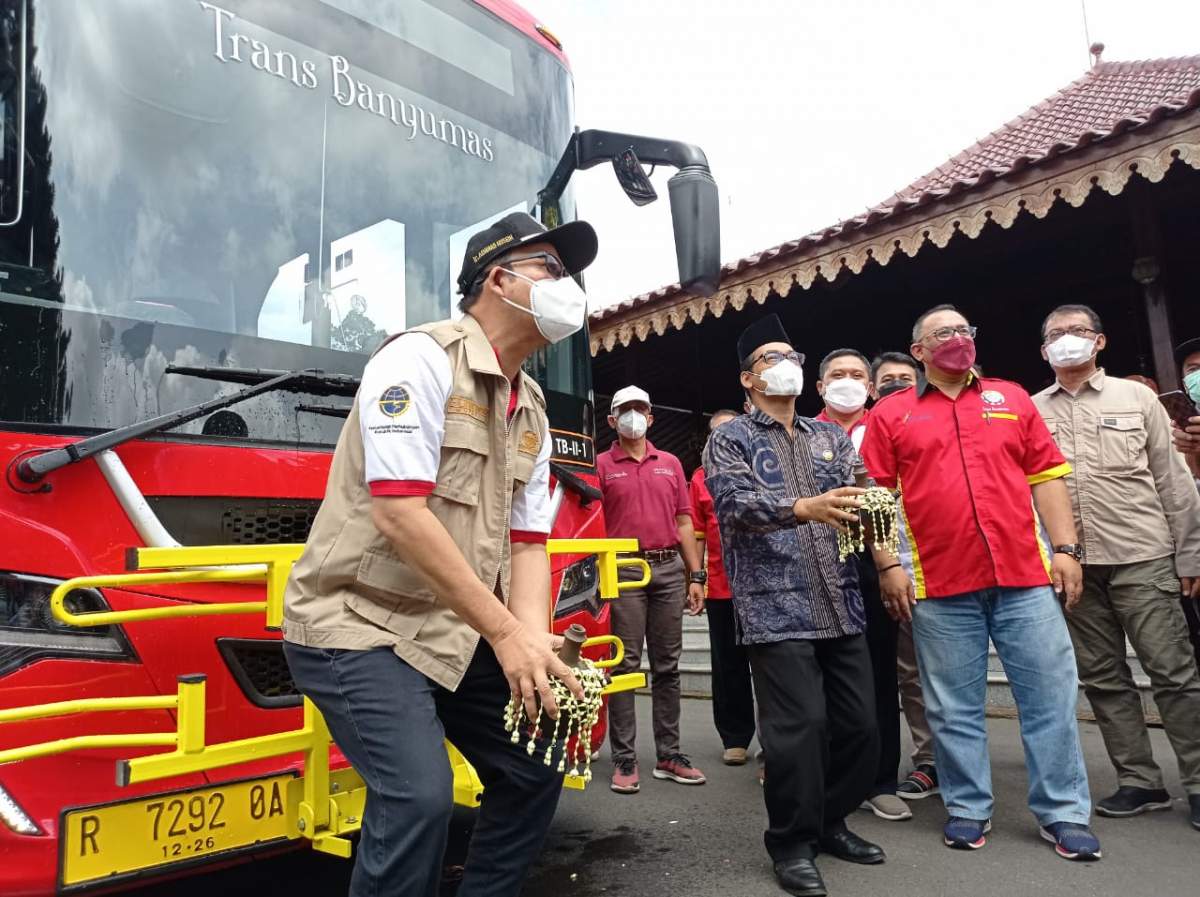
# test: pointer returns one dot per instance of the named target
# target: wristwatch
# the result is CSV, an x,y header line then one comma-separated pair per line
x,y
1075,550
700,577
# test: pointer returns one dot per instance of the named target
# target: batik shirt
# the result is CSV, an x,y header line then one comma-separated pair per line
x,y
787,580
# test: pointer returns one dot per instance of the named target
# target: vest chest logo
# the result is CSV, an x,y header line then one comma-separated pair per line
x,y
530,444
463,405
394,401
992,397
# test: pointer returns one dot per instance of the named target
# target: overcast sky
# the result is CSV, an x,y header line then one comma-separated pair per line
x,y
812,110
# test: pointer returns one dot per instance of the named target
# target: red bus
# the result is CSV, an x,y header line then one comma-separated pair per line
x,y
196,199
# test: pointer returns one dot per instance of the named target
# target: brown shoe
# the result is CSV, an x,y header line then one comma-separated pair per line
x,y
734,757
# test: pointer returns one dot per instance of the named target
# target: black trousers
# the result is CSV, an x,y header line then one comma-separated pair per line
x,y
816,723
1191,610
733,695
389,720
882,633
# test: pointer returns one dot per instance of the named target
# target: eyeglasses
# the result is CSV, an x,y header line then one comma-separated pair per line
x,y
553,266
1059,332
944,333
772,358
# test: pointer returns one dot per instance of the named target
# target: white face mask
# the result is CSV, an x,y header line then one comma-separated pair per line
x,y
783,379
1069,351
632,424
558,306
845,395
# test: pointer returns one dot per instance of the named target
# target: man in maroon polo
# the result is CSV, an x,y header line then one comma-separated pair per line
x,y
646,497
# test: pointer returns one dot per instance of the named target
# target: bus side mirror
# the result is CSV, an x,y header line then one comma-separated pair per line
x,y
696,219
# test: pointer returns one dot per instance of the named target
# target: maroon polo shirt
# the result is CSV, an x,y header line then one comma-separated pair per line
x,y
642,498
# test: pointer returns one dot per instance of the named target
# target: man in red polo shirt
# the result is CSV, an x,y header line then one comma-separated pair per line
x,y
646,497
733,696
971,458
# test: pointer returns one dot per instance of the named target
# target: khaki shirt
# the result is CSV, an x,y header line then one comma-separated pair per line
x,y
1133,497
350,589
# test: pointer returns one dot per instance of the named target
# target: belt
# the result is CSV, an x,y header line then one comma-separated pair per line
x,y
659,555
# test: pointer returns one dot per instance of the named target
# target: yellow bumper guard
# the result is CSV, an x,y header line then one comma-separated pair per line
x,y
323,806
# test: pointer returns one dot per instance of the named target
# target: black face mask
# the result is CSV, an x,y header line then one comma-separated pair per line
x,y
893,386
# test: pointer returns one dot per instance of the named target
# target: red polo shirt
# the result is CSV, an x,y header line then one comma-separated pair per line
x,y
964,468
642,498
704,521
856,432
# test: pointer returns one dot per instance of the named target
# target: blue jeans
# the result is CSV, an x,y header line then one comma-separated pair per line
x,y
1030,635
389,720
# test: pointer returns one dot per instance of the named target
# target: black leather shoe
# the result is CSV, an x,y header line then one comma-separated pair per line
x,y
800,877
845,845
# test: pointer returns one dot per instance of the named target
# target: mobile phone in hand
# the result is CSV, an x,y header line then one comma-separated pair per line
x,y
1179,406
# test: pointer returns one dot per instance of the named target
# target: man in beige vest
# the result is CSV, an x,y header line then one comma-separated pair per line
x,y
422,600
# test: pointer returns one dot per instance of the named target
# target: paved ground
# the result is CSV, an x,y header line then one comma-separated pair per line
x,y
707,840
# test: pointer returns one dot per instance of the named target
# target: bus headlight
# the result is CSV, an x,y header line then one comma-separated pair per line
x,y
29,632
579,589
14,817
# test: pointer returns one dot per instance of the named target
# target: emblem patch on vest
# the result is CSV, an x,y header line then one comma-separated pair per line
x,y
394,401
463,405
992,397
530,443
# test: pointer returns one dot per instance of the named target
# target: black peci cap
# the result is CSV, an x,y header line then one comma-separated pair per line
x,y
575,243
1186,348
763,331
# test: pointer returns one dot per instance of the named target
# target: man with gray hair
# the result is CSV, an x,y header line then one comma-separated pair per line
x,y
1138,511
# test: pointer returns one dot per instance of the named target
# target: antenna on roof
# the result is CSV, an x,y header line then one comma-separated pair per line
x,y
1096,50
1087,38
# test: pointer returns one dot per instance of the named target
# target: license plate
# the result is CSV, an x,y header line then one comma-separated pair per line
x,y
182,827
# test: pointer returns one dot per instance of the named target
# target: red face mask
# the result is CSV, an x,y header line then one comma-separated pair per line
x,y
955,355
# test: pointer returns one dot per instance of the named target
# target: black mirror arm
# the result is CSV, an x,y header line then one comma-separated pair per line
x,y
586,491
586,149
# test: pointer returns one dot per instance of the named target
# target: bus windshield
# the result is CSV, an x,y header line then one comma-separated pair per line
x,y
249,183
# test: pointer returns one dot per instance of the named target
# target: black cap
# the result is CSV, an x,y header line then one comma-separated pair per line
x,y
763,331
1186,348
575,243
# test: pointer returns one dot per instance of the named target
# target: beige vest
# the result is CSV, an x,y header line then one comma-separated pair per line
x,y
350,589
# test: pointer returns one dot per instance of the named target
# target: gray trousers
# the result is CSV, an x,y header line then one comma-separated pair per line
x,y
911,699
1142,601
653,615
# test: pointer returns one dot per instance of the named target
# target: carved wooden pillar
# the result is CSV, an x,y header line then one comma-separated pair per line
x,y
1148,271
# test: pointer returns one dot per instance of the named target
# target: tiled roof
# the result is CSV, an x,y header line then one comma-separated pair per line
x,y
1112,98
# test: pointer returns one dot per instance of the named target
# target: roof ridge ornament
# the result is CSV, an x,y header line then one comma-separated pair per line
x,y
1097,50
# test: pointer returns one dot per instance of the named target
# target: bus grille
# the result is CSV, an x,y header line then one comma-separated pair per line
x,y
261,671
269,523
212,520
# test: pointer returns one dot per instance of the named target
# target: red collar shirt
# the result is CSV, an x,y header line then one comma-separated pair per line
x,y
704,521
643,498
964,468
856,433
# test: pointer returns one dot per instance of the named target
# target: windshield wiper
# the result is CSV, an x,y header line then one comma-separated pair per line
x,y
315,382
34,468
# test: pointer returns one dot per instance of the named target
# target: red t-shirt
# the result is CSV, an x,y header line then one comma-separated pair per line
x,y
964,468
643,498
704,520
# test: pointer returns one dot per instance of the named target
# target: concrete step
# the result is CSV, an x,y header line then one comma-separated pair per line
x,y
695,673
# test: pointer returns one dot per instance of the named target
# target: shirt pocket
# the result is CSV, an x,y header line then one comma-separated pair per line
x,y
1121,440
397,597
522,470
465,448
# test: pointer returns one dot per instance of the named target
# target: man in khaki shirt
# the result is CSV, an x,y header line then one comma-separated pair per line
x,y
1138,514
421,603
